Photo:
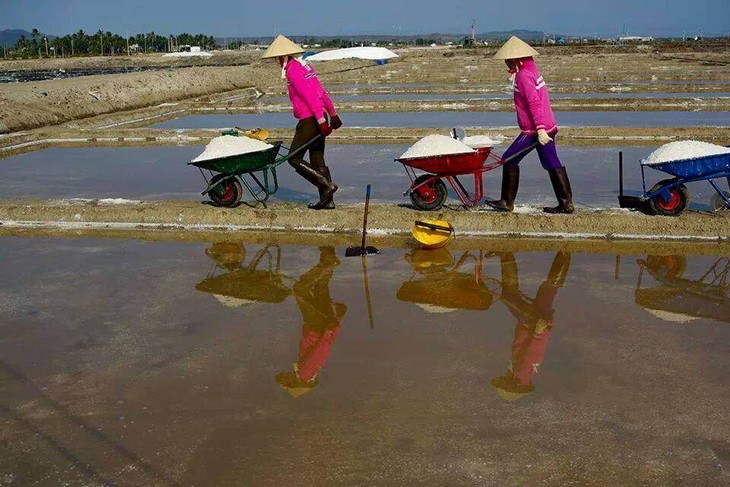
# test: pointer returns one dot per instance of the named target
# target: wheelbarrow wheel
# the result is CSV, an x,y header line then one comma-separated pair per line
x,y
228,193
674,205
429,196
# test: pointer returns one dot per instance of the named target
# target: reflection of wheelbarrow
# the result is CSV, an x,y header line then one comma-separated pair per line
x,y
670,196
440,286
244,284
224,188
428,191
680,299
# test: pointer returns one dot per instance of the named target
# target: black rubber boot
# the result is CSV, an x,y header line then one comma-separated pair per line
x,y
330,204
510,185
326,188
563,192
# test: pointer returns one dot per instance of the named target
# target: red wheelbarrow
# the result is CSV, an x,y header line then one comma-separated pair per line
x,y
428,191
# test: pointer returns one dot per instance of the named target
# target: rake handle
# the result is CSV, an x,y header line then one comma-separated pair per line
x,y
365,218
431,226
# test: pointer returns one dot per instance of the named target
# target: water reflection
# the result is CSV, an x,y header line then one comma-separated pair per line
x,y
680,299
321,323
235,283
535,319
439,285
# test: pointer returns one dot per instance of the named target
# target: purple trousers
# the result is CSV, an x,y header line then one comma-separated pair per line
x,y
523,145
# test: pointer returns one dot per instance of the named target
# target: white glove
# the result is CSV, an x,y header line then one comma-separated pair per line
x,y
543,137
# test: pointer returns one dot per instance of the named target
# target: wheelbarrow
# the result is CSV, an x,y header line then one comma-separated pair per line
x,y
256,171
677,298
428,191
439,286
670,196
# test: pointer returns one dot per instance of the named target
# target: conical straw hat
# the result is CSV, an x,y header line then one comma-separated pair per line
x,y
282,47
515,48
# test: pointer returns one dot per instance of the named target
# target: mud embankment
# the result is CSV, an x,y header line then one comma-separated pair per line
x,y
347,219
30,105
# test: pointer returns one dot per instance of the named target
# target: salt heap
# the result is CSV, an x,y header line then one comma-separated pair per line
x,y
436,145
685,149
228,145
479,141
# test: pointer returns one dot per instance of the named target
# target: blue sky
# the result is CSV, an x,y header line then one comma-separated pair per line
x,y
326,17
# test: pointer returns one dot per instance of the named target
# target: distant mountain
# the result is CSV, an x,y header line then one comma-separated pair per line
x,y
9,37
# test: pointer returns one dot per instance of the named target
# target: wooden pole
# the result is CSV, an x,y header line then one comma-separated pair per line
x,y
621,173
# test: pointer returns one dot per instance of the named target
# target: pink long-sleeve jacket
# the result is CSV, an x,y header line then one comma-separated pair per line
x,y
308,96
532,101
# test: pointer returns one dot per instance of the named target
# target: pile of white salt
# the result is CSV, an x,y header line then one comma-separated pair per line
x,y
685,149
228,145
480,141
436,145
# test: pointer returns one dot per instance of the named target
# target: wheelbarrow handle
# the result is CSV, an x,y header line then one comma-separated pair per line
x,y
300,149
431,226
518,154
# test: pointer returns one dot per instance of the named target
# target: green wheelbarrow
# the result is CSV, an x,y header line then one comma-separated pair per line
x,y
256,171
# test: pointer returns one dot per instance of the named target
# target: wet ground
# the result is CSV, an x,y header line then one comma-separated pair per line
x,y
466,97
142,363
162,173
458,118
335,87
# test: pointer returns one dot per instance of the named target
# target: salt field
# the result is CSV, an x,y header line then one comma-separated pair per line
x,y
458,118
127,362
467,97
162,173
162,326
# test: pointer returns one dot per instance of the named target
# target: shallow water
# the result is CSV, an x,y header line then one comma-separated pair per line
x,y
153,173
467,97
456,118
139,363
423,86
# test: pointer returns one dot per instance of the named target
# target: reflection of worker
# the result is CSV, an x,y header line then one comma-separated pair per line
x,y
538,129
310,103
322,320
534,324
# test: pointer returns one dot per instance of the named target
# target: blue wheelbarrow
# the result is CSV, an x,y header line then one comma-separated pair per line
x,y
670,196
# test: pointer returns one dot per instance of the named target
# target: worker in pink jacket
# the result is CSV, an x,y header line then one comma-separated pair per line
x,y
538,129
316,113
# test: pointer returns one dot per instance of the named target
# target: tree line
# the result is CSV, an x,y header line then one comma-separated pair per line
x,y
105,44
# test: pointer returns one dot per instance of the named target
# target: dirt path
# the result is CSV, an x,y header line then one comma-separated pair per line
x,y
384,219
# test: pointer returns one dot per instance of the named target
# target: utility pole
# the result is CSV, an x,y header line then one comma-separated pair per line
x,y
46,40
72,47
101,38
127,35
473,30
